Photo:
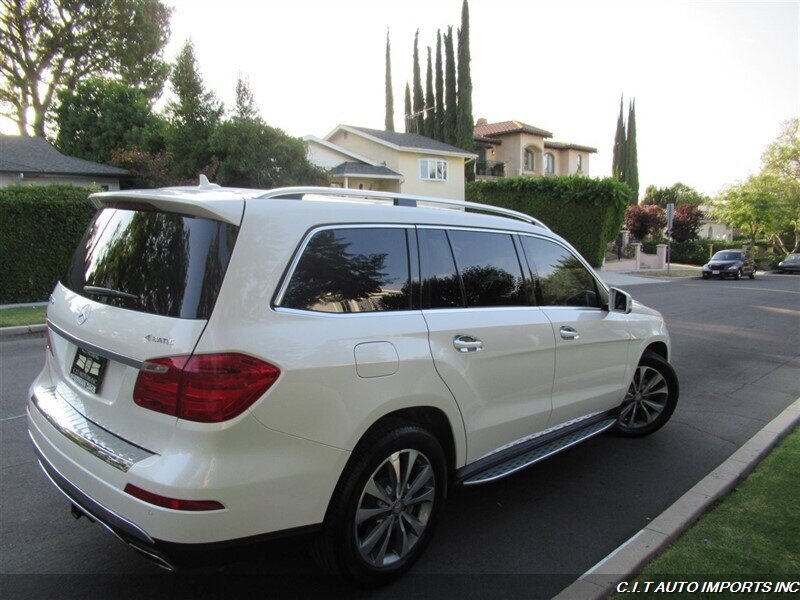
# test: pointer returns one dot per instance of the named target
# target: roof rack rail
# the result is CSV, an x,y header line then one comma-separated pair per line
x,y
297,193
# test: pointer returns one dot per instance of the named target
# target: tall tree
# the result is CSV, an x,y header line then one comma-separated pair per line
x,y
51,45
193,115
430,101
465,122
419,98
782,156
245,102
389,119
631,157
450,93
408,118
439,133
101,116
618,162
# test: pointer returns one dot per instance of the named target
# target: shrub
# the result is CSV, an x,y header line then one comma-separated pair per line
x,y
686,222
693,252
42,225
586,212
642,221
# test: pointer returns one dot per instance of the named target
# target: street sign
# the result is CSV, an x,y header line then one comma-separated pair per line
x,y
670,216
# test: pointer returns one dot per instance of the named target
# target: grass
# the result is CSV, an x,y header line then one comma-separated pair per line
x,y
753,534
674,272
24,315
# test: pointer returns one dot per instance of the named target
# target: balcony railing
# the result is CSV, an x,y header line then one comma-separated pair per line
x,y
490,168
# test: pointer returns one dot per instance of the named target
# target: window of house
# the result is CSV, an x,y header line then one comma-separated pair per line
x,y
352,270
489,268
562,278
549,163
441,287
529,160
580,163
433,169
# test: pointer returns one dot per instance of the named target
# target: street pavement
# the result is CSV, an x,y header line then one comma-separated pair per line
x,y
736,348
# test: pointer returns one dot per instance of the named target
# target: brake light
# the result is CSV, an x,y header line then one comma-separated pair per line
x,y
207,388
173,503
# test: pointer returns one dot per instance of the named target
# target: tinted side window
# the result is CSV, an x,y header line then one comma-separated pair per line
x,y
352,270
563,280
489,268
440,285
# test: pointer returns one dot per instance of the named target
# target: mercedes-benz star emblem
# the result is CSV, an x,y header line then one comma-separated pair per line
x,y
84,314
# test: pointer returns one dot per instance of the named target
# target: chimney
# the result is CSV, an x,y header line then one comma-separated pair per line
x,y
481,121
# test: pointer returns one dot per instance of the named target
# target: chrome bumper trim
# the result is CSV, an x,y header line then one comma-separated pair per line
x,y
120,358
91,508
106,446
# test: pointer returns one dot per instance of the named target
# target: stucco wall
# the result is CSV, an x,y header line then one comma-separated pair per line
x,y
367,148
324,157
452,188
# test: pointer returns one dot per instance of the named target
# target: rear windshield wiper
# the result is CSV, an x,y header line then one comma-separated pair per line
x,y
111,293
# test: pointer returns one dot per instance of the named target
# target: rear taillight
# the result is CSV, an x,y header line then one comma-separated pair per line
x,y
207,388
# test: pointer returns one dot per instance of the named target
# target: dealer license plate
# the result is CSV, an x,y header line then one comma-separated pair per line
x,y
88,369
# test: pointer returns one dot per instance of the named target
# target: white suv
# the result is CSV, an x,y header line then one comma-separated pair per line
x,y
224,365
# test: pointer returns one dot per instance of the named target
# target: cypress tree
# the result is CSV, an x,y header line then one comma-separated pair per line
x,y
389,120
450,94
419,98
439,133
618,162
430,102
631,158
464,121
407,110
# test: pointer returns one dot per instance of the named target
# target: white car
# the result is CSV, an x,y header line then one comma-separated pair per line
x,y
225,365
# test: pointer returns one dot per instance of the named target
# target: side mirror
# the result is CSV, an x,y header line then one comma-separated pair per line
x,y
620,301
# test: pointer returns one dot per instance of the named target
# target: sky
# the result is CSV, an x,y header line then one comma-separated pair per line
x,y
712,81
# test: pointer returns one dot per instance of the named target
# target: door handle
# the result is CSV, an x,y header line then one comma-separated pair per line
x,y
466,343
568,333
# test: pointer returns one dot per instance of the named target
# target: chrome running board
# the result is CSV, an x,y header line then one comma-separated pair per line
x,y
520,456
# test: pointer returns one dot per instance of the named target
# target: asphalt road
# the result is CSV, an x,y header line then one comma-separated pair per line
x,y
736,348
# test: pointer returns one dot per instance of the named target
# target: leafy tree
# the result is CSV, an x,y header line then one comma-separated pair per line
x,y
52,45
618,162
146,169
193,116
102,115
686,222
389,118
430,102
464,121
677,194
642,221
250,153
245,102
407,110
439,89
419,97
782,157
631,156
450,92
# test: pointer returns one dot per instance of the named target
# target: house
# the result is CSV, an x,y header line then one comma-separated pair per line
x,y
712,229
511,148
34,161
372,159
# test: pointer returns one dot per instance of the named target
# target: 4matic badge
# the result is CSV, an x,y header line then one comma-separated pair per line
x,y
159,340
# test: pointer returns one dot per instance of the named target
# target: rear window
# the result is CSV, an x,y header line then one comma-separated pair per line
x,y
161,263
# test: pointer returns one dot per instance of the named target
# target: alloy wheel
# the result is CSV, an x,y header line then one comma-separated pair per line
x,y
395,507
646,398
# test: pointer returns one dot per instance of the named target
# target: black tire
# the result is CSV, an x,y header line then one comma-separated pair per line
x,y
336,549
657,363
706,276
738,275
752,274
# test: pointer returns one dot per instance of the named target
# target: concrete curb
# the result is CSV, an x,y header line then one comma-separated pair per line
x,y
21,330
628,559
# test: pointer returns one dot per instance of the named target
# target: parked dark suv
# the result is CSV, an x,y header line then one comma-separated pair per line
x,y
730,263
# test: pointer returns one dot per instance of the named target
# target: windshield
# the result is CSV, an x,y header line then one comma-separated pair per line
x,y
727,256
150,261
792,258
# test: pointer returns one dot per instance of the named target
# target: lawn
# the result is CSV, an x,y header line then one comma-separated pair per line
x,y
672,273
25,315
753,534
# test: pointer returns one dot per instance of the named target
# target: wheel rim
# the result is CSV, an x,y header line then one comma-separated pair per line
x,y
394,508
646,398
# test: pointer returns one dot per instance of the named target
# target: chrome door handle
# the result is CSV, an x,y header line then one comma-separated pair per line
x,y
568,333
466,343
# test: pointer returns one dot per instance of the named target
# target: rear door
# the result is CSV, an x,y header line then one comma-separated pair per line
x,y
591,343
493,349
141,285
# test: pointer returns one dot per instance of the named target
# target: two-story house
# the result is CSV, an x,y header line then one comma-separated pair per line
x,y
512,148
390,161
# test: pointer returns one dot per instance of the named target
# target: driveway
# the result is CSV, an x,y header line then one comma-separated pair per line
x,y
736,350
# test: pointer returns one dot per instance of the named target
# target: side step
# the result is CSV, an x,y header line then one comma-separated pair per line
x,y
499,465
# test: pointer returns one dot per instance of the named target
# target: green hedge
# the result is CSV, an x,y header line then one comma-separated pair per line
x,y
588,213
41,227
